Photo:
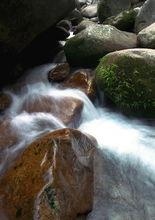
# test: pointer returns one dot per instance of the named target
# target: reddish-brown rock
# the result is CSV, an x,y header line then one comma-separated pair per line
x,y
51,179
67,109
82,79
59,73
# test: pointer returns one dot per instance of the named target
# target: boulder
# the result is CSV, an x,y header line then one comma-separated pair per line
x,y
90,11
51,179
146,37
108,8
59,73
82,79
66,109
83,25
88,46
124,21
22,21
146,15
127,78
29,24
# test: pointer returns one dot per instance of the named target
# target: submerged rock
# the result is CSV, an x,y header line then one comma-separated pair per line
x,y
66,109
88,46
51,179
146,37
127,77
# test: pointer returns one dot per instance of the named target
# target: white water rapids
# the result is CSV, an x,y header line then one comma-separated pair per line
x,y
125,167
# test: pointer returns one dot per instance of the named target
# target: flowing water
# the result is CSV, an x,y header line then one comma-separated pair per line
x,y
124,187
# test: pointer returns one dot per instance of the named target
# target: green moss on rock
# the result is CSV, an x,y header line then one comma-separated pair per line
x,y
130,84
124,21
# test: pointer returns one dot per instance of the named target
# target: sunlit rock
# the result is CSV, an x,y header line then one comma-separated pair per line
x,y
82,79
127,78
51,179
88,46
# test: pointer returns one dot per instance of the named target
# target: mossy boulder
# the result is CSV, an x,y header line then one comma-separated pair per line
x,y
88,46
127,78
124,21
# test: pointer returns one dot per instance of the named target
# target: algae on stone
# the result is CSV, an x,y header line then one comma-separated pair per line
x,y
129,83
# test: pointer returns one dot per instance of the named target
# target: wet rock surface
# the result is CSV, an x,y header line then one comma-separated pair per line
x,y
52,178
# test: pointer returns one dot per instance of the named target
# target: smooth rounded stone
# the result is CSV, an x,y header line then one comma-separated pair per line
x,y
108,8
90,11
88,46
127,78
83,25
146,37
82,79
124,21
59,73
146,16
51,179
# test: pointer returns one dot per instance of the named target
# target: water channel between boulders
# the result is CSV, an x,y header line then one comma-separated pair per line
x,y
124,170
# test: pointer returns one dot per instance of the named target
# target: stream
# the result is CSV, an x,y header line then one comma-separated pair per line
x,y
124,168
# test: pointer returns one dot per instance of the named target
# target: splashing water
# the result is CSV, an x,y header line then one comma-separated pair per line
x,y
124,167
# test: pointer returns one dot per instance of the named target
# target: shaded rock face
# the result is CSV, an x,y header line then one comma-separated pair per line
x,y
124,21
88,46
146,37
83,25
127,78
28,35
146,15
108,8
22,21
51,179
5,101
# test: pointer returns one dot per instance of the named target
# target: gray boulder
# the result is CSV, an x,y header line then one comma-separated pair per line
x,y
146,37
146,16
108,8
88,46
90,11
